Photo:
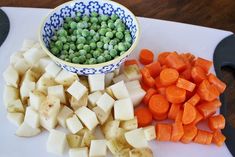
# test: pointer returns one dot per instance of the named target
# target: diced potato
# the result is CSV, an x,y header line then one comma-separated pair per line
x,y
10,94
15,118
110,129
36,98
87,138
44,82
15,57
75,104
129,124
101,115
26,130
74,124
74,141
132,72
57,91
52,69
88,117
136,95
33,54
98,148
115,146
11,76
109,91
116,71
37,45
108,78
123,109
26,88
66,78
105,102
119,78
133,85
96,82
84,81
78,152
56,142
119,90
43,62
123,153
21,66
31,117
77,90
150,133
15,106
64,114
83,131
136,138
94,97
48,123
29,76
141,152
27,44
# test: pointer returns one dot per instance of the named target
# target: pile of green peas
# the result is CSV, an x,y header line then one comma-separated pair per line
x,y
91,39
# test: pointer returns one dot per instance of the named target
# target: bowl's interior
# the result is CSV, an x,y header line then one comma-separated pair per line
x,y
56,18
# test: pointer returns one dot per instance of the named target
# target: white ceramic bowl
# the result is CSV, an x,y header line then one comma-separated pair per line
x,y
54,20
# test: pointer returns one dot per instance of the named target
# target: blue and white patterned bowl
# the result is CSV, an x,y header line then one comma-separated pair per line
x,y
55,20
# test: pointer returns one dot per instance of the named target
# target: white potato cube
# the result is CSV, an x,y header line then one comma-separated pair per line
x,y
96,82
44,82
119,78
108,79
10,94
66,78
87,138
52,69
56,142
119,90
57,91
26,88
132,72
27,44
116,71
150,133
26,130
136,95
109,91
136,138
133,85
21,66
11,76
74,141
48,123
43,62
35,99
129,124
138,152
101,115
115,147
98,148
75,104
88,117
78,152
123,109
15,106
94,97
105,102
110,129
77,90
31,117
33,54
15,118
74,124
15,57
64,114
29,76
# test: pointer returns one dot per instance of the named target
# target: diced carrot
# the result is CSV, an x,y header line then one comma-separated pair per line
x,y
130,62
217,82
207,92
218,138
158,104
187,56
160,117
162,56
173,60
164,67
150,92
168,76
203,137
144,86
194,99
190,131
216,122
204,64
174,110
158,83
177,131
179,116
186,74
175,94
163,132
198,74
147,78
207,109
162,91
198,118
154,69
146,56
144,116
185,84
189,114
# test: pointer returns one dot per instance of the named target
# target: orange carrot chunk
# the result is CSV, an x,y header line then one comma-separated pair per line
x,y
163,132
217,82
203,63
203,137
175,94
189,114
146,56
198,118
194,99
173,60
216,122
218,138
187,56
158,83
130,62
207,109
160,117
162,91
174,110
154,69
198,74
168,76
150,92
144,86
179,116
144,116
190,131
185,84
177,131
147,78
158,105
162,57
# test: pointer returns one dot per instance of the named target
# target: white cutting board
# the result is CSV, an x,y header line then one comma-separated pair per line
x,y
157,35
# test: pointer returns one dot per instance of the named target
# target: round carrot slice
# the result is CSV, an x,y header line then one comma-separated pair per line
x,y
160,117
175,94
198,74
144,116
146,56
189,114
174,110
158,104
158,83
168,76
150,92
162,56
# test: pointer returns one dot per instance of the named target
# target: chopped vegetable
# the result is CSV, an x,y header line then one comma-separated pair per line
x,y
158,105
175,94
168,76
144,116
203,137
217,83
177,131
216,122
185,84
146,56
174,110
203,63
218,138
150,92
154,68
173,60
163,132
190,131
189,114
162,57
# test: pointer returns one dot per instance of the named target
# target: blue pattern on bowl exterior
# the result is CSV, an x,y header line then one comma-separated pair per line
x,y
57,16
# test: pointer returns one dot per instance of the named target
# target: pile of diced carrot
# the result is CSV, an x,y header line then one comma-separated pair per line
x,y
179,87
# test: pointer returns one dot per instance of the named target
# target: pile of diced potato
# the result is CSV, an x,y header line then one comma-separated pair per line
x,y
39,95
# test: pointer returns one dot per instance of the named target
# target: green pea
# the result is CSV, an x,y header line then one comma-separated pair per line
x,y
73,38
88,56
68,19
59,43
94,14
66,46
89,38
114,17
72,46
111,25
94,27
113,53
99,44
110,47
70,31
113,42
82,52
54,38
106,46
85,33
78,14
109,35
102,31
121,53
127,44
75,60
66,26
94,20
104,26
121,47
71,51
81,40
80,46
77,18
87,48
73,25
82,59
116,47
100,59
92,61
77,54
92,32
119,35
96,37
55,50
69,39
104,17
62,32
107,57
85,18
106,40
118,22
86,62
93,45
63,39
64,52
96,54
62,57
71,56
